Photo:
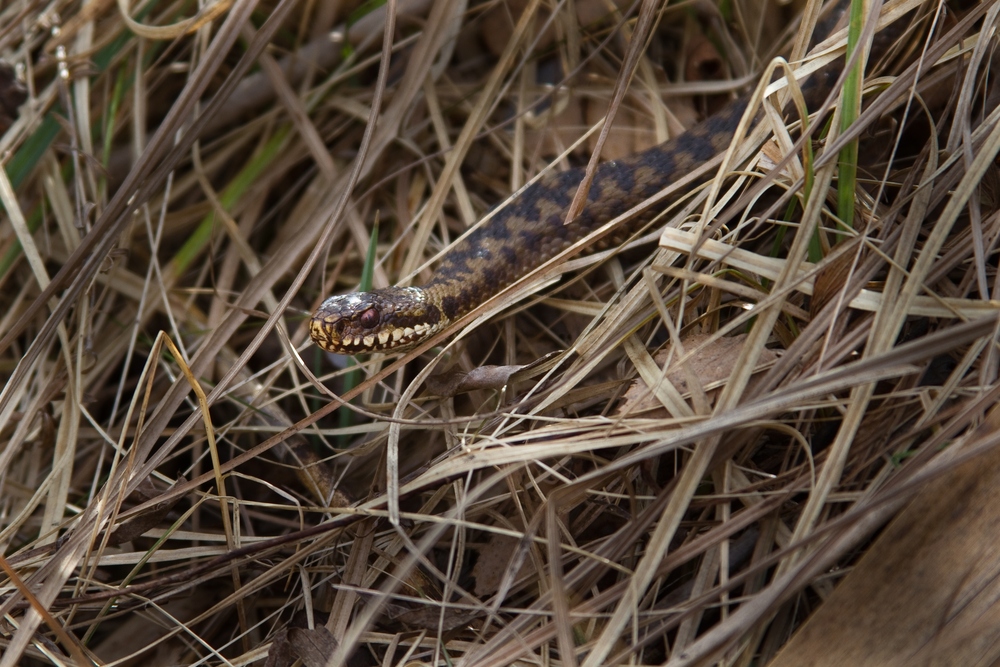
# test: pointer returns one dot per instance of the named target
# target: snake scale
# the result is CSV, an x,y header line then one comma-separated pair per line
x,y
526,233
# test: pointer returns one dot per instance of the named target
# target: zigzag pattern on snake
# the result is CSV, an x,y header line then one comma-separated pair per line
x,y
522,236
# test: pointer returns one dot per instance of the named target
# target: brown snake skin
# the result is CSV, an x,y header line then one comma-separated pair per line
x,y
522,236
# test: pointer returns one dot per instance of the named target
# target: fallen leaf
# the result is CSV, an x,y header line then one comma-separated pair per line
x,y
712,365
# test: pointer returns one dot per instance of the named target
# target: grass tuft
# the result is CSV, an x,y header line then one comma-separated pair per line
x,y
676,448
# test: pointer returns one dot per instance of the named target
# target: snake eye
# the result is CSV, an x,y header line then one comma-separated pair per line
x,y
369,318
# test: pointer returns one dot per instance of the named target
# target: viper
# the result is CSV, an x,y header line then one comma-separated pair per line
x,y
525,234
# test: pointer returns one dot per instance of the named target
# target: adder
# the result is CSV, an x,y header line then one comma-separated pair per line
x,y
526,233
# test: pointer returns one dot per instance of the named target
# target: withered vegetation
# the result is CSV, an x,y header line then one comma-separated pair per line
x,y
669,453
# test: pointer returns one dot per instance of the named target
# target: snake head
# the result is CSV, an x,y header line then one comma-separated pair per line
x,y
385,320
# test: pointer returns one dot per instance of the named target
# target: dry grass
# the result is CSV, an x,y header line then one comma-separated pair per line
x,y
665,455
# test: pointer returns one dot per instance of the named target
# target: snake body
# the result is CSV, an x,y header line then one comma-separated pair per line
x,y
522,236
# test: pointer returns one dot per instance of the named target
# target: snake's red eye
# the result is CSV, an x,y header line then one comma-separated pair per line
x,y
369,318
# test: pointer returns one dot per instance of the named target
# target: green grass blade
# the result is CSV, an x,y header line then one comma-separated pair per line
x,y
230,196
850,108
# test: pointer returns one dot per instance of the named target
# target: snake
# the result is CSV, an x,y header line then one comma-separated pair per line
x,y
527,232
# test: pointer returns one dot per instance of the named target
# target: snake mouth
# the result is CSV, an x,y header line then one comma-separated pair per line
x,y
390,320
340,338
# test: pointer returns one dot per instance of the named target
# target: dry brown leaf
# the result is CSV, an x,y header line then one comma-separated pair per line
x,y
313,646
830,280
926,592
712,365
431,617
493,563
483,377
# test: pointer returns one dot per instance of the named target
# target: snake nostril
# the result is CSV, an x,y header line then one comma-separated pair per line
x,y
369,318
